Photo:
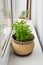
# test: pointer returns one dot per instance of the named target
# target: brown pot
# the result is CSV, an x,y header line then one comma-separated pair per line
x,y
22,48
22,18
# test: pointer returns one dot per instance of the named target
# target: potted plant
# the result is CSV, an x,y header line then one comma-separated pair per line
x,y
24,15
22,39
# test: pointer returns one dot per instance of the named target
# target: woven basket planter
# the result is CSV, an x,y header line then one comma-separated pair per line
x,y
22,48
20,19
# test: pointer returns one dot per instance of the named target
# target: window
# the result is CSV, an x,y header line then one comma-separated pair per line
x,y
29,3
5,24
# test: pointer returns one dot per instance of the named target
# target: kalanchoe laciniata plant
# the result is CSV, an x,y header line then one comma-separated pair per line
x,y
24,13
22,31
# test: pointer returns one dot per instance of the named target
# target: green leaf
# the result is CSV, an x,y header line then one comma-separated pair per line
x,y
22,31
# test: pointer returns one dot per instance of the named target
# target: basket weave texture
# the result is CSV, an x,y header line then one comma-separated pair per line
x,y
22,48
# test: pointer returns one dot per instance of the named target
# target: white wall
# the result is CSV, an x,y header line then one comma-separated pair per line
x,y
20,5
40,20
34,12
37,17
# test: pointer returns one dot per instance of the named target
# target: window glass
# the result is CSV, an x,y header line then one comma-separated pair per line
x,y
5,21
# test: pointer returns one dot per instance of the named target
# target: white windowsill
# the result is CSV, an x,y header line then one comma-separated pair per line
x,y
36,58
6,49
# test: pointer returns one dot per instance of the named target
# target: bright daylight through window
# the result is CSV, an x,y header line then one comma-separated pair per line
x,y
5,23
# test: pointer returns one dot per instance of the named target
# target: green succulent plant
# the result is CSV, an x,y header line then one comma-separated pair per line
x,y
22,31
25,13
